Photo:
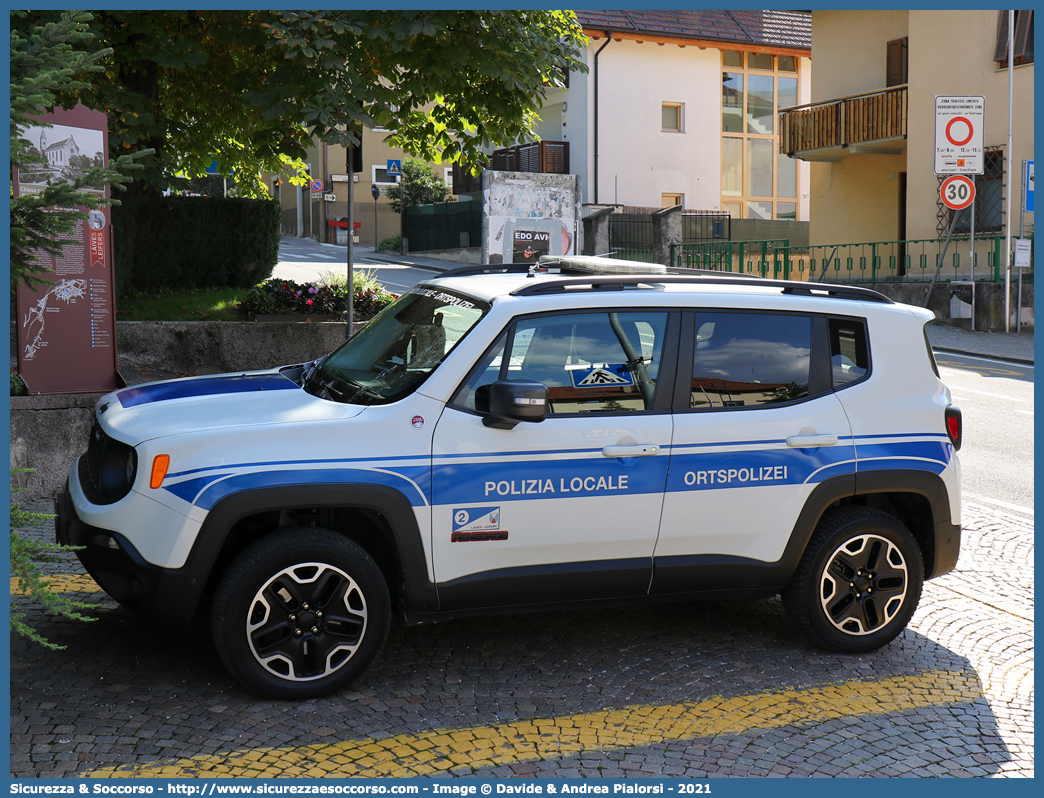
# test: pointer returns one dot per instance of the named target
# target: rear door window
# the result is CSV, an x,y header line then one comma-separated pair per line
x,y
748,359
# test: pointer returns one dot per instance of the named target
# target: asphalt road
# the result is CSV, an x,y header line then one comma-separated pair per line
x,y
302,260
996,401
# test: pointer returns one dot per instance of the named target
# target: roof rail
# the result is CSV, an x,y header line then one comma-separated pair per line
x,y
506,268
565,264
794,287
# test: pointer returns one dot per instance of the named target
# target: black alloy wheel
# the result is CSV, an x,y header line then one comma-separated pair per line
x,y
858,583
300,613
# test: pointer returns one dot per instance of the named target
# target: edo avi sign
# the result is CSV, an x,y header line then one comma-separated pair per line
x,y
958,135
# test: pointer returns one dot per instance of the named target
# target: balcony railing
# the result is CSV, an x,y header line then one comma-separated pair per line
x,y
540,157
859,121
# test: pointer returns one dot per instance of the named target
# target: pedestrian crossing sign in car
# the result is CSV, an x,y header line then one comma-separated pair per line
x,y
610,374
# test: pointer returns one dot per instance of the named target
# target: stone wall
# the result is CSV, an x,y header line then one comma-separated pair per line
x,y
989,302
215,347
48,433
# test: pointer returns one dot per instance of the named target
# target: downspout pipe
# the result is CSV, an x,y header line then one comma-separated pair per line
x,y
598,52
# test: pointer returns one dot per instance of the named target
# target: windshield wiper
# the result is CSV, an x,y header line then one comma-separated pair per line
x,y
324,387
362,390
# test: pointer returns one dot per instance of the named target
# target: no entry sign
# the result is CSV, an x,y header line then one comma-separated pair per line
x,y
958,135
958,192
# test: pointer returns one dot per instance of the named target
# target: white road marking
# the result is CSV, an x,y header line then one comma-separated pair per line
x,y
962,389
1007,506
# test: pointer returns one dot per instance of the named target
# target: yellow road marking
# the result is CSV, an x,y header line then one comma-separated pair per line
x,y
63,583
983,370
550,738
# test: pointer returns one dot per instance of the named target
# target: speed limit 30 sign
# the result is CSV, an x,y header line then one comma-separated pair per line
x,y
957,192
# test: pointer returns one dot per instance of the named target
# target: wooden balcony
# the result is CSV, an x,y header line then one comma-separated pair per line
x,y
541,157
874,122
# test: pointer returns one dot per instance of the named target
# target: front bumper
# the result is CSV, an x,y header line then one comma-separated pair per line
x,y
169,595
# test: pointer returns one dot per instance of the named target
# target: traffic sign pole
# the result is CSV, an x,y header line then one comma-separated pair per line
x,y
351,237
971,258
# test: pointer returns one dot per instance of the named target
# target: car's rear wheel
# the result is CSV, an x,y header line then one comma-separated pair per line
x,y
858,583
300,613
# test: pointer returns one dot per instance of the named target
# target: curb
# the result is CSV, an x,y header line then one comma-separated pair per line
x,y
408,263
1021,360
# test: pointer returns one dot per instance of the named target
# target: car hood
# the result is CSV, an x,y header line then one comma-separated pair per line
x,y
197,404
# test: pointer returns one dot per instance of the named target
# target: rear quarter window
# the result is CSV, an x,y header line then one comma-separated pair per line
x,y
849,351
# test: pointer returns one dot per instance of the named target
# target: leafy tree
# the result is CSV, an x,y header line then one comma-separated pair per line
x,y
252,88
47,60
417,186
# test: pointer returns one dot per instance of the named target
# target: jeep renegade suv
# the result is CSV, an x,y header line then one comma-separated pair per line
x,y
505,439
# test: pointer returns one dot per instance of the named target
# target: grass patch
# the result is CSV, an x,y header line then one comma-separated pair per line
x,y
205,304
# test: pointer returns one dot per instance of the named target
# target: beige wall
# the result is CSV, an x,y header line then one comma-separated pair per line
x,y
849,50
856,200
950,53
934,38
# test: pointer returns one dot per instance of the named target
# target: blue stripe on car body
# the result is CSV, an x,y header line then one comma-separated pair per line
x,y
537,477
203,386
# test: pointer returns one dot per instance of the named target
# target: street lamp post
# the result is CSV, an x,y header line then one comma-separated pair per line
x,y
376,192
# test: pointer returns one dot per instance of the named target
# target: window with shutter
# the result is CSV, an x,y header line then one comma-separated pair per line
x,y
896,72
1023,38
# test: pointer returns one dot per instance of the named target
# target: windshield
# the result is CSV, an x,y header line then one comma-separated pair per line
x,y
393,354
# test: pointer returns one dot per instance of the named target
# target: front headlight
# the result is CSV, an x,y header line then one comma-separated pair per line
x,y
119,465
108,470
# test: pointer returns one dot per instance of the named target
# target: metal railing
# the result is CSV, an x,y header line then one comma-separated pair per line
x,y
740,257
914,260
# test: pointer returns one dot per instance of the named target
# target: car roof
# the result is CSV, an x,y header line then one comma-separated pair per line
x,y
568,275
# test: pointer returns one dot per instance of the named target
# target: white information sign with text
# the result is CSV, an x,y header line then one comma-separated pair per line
x,y
958,135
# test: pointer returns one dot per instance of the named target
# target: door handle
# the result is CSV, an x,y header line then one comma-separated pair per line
x,y
638,450
808,441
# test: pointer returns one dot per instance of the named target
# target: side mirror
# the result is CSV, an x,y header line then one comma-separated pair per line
x,y
511,402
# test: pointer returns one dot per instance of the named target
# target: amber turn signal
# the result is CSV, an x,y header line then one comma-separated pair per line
x,y
159,470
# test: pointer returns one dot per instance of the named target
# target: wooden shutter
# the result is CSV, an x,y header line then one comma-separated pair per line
x,y
1023,25
896,71
1001,53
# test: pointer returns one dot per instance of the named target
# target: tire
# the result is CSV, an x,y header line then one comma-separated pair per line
x,y
858,583
300,613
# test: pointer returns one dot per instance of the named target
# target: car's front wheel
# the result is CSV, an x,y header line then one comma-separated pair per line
x,y
858,583
300,613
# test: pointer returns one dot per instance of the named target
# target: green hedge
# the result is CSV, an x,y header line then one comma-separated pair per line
x,y
194,242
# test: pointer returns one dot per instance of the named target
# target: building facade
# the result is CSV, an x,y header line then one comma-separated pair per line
x,y
680,108
308,216
869,133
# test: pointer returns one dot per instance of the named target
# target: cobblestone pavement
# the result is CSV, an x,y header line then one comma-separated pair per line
x,y
697,690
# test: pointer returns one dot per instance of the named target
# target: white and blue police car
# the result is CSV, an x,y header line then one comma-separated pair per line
x,y
509,438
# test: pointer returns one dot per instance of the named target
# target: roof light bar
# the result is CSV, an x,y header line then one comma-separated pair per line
x,y
596,264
